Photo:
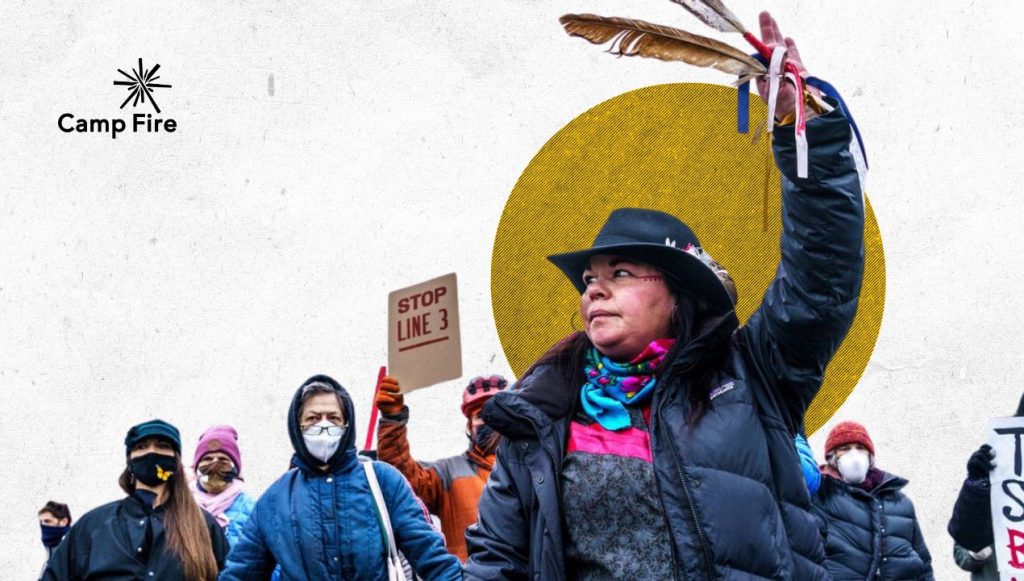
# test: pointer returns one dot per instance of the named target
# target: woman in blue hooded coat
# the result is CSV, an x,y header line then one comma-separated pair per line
x,y
319,521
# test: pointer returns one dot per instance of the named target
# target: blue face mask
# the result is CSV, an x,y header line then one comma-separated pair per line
x,y
53,535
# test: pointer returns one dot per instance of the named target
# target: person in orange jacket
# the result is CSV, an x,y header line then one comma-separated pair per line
x,y
452,486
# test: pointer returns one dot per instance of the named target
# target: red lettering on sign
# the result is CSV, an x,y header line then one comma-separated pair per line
x,y
1016,547
423,299
414,326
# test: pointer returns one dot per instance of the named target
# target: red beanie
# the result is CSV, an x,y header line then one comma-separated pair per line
x,y
848,433
223,439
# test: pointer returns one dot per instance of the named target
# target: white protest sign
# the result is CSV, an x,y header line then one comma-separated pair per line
x,y
1005,435
424,347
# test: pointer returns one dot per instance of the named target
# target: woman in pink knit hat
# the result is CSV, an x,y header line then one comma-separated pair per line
x,y
872,527
218,487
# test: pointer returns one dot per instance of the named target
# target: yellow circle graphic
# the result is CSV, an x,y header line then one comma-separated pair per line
x,y
672,148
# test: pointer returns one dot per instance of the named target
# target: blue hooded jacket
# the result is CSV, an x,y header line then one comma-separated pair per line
x,y
322,524
238,513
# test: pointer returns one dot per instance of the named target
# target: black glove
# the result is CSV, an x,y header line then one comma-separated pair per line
x,y
980,463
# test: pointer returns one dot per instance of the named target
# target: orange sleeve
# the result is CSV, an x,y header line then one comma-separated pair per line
x,y
393,448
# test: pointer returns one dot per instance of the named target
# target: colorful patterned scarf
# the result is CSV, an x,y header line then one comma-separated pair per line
x,y
611,386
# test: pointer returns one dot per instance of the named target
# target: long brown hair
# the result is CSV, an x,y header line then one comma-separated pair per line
x,y
188,537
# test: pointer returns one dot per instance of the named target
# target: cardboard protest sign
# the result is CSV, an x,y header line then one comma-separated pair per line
x,y
1004,435
424,346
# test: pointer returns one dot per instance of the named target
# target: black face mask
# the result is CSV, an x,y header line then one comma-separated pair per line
x,y
52,535
153,469
484,439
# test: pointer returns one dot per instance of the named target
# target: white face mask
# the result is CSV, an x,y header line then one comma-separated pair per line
x,y
325,443
853,465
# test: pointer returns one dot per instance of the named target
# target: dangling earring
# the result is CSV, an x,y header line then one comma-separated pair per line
x,y
572,322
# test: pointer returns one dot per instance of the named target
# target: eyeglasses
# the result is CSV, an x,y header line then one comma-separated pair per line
x,y
331,430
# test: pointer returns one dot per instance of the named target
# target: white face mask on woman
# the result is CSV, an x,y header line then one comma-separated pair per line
x,y
853,465
322,439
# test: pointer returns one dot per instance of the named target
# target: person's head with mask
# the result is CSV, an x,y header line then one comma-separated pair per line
x,y
217,461
54,521
318,423
853,494
850,451
325,517
217,484
153,451
156,532
155,476
482,438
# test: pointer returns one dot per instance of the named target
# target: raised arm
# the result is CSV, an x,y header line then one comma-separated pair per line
x,y
971,523
393,445
810,305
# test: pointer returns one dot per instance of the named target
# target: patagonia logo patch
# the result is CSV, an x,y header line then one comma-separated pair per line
x,y
721,389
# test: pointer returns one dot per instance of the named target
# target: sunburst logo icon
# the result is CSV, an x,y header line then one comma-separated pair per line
x,y
140,85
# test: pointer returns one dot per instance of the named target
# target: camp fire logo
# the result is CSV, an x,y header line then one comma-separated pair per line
x,y
140,84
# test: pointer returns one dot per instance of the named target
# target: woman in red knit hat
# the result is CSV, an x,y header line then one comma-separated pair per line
x,y
873,529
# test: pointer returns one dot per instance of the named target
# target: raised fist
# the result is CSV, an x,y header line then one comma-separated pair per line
x,y
981,463
389,397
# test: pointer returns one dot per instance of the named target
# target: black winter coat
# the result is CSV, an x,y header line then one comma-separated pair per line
x,y
872,535
971,523
732,488
107,541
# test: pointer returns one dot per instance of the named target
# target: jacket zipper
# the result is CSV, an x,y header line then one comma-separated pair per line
x,y
706,557
668,522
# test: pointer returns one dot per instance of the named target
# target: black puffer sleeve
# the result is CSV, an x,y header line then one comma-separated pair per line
x,y
809,307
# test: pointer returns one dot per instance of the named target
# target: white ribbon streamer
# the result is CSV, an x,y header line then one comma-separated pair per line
x,y
801,129
774,76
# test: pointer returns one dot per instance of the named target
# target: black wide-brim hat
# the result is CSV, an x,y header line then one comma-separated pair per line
x,y
654,238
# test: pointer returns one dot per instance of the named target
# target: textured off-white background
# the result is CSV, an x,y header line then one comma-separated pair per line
x,y
200,276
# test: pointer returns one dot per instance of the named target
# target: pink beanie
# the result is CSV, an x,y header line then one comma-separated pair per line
x,y
223,439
